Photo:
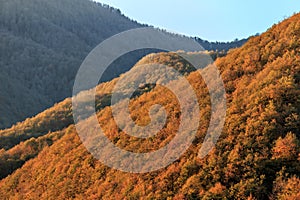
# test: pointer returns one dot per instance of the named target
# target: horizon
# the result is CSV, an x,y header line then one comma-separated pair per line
x,y
230,20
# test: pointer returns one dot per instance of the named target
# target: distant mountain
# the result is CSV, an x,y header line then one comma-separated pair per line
x,y
256,157
43,43
220,46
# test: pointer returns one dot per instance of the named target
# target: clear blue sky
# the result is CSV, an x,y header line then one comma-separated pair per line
x,y
221,20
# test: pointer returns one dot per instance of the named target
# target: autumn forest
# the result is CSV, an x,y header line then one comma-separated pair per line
x,y
257,155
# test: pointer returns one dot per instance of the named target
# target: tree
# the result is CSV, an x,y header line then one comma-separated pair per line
x,y
286,148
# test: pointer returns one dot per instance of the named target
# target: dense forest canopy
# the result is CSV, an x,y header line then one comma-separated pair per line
x,y
256,157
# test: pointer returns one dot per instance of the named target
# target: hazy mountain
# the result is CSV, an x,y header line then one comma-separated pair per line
x,y
43,43
256,157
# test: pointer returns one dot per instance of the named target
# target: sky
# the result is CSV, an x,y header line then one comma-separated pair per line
x,y
213,20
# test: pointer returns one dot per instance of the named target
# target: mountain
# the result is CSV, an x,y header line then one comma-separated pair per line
x,y
43,44
256,157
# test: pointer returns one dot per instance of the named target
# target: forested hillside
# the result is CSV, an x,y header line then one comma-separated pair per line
x,y
256,157
43,43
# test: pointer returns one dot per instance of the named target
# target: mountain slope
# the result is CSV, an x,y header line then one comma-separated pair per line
x,y
256,157
42,46
60,117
